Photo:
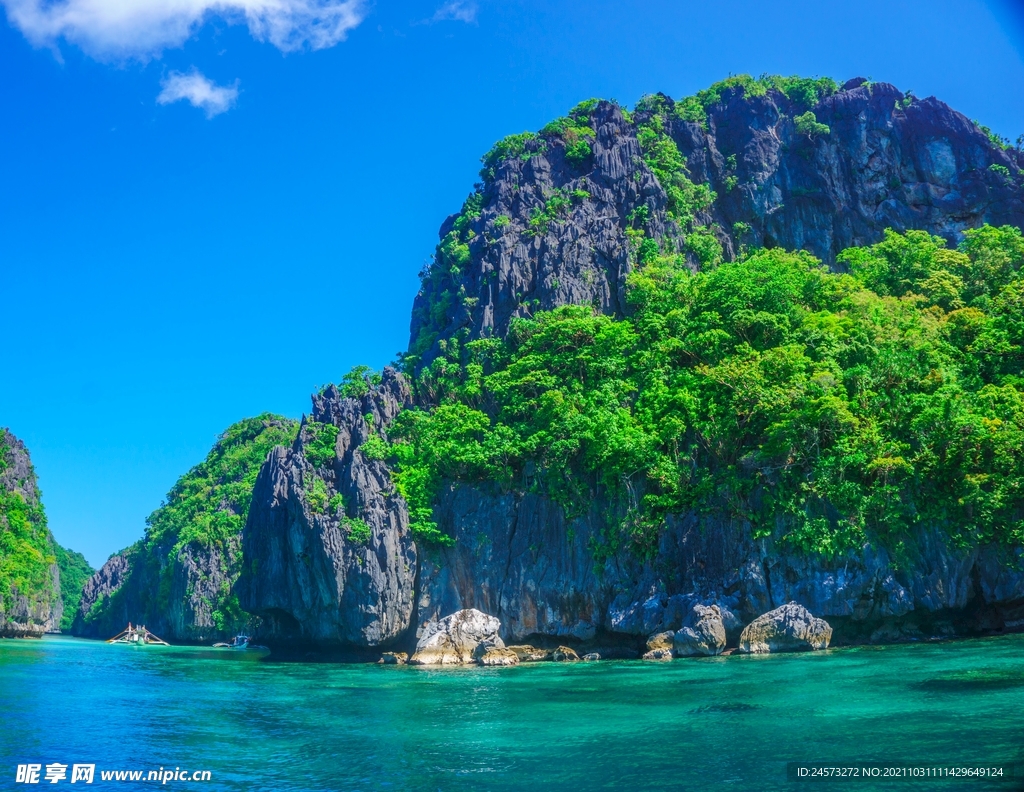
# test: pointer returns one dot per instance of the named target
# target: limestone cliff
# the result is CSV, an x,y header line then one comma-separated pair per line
x,y
30,596
178,579
559,219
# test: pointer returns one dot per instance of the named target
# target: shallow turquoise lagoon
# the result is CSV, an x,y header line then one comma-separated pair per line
x,y
735,722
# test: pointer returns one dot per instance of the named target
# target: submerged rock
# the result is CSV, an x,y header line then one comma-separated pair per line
x,y
591,657
702,634
786,629
455,639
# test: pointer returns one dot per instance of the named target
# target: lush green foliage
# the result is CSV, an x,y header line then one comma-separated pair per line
x,y
358,381
358,531
685,199
209,504
507,148
805,92
26,548
320,442
74,571
807,124
827,410
575,130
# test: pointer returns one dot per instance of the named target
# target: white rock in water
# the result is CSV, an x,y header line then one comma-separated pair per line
x,y
702,633
454,639
787,629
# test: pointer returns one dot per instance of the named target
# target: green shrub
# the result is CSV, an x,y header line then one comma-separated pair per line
x,y
807,124
358,381
74,572
358,531
374,447
316,496
507,148
1002,170
320,442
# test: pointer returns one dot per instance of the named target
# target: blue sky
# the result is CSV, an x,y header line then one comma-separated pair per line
x,y
168,269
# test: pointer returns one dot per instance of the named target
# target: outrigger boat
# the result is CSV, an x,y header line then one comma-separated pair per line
x,y
137,636
238,642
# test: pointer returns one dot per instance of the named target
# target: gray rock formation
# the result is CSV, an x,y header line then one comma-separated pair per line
x,y
565,654
702,633
889,160
790,628
530,654
662,640
34,608
310,574
459,639
177,580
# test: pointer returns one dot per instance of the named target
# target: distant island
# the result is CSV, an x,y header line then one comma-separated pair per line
x,y
671,371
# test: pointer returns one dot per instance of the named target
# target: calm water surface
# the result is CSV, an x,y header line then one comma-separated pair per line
x,y
731,722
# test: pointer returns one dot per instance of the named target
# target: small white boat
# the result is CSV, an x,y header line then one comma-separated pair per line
x,y
137,636
238,642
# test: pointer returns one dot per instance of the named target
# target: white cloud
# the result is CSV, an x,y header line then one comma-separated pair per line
x,y
113,29
199,92
459,10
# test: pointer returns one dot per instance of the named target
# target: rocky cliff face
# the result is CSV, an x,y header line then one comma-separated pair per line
x,y
174,592
888,160
178,580
30,601
550,227
330,557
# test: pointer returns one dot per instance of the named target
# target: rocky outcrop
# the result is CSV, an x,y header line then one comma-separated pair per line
x,y
178,579
173,592
329,556
530,654
790,628
887,160
702,633
459,639
518,266
30,596
662,640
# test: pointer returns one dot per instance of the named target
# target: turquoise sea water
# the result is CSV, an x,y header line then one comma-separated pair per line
x,y
734,722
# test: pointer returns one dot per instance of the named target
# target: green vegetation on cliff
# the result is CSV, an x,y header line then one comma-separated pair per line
x,y
209,504
825,409
202,519
74,571
26,546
